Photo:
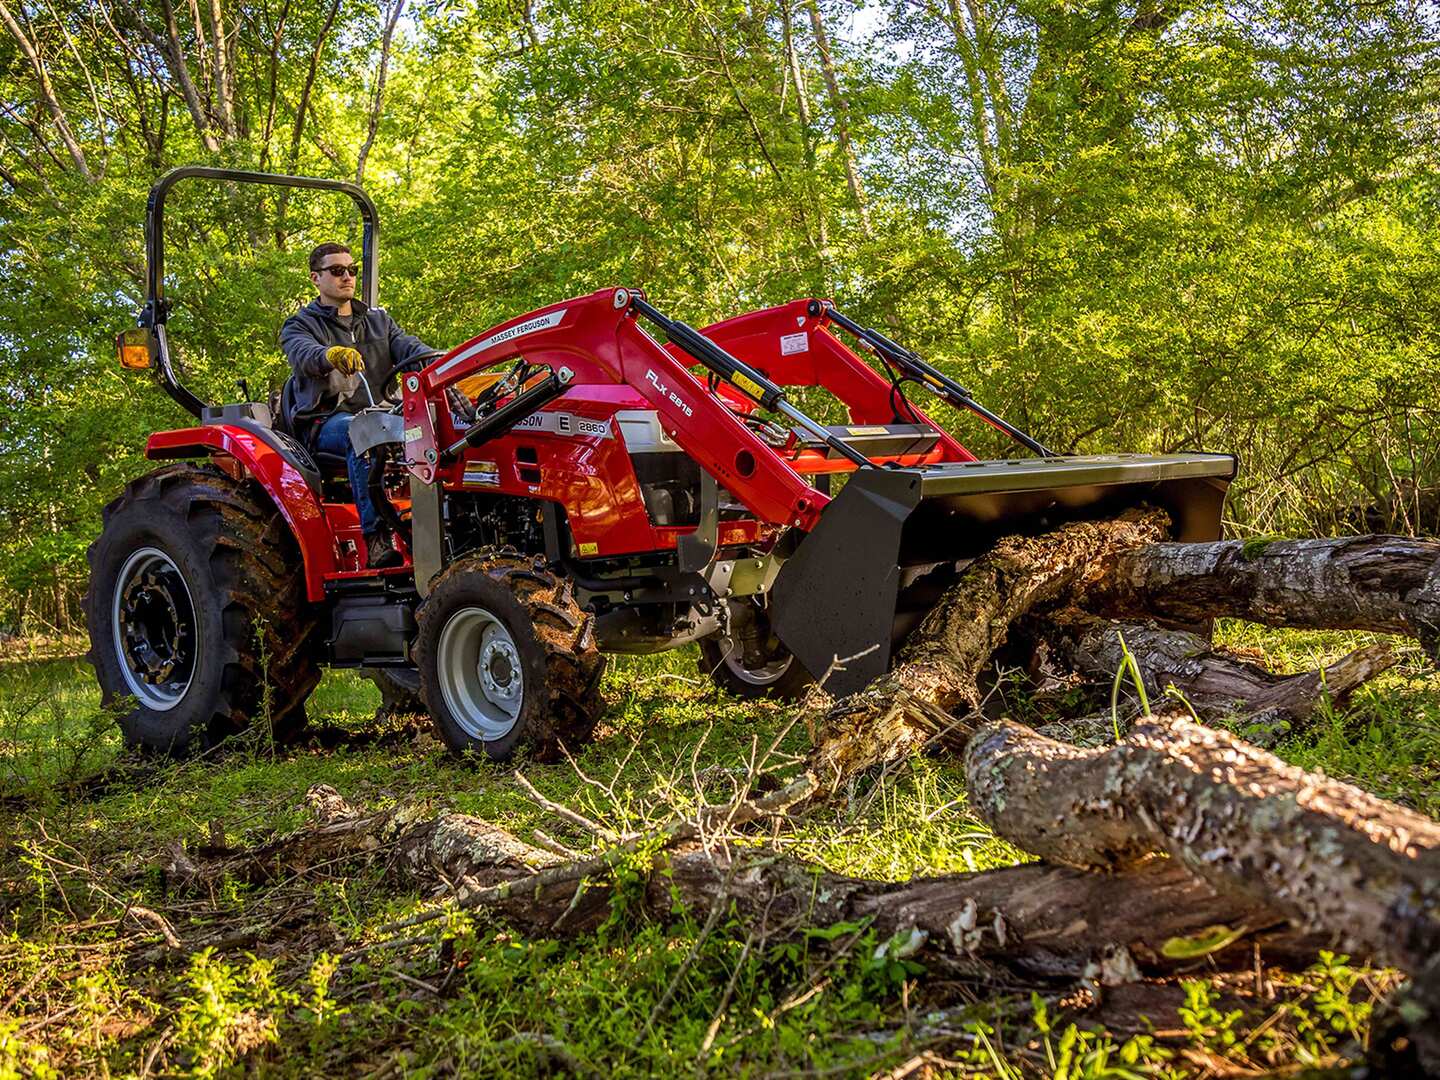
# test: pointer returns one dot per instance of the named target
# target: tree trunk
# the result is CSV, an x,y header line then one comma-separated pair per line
x,y
45,90
387,33
842,114
1385,583
224,76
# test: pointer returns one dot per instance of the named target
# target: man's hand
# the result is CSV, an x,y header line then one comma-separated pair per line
x,y
344,359
460,405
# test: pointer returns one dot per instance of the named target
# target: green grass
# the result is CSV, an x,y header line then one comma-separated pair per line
x,y
86,831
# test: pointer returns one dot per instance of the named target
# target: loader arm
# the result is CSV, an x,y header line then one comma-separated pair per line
x,y
599,336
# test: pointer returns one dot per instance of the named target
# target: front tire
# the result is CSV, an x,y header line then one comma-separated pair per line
x,y
196,611
507,658
773,671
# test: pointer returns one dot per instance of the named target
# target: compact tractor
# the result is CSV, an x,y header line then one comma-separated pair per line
x,y
628,485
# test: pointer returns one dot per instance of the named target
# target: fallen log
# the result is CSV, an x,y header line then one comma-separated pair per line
x,y
1333,858
1389,584
933,686
1216,686
1336,860
1037,922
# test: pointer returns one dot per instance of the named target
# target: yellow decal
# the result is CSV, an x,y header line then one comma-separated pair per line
x,y
865,431
589,548
749,385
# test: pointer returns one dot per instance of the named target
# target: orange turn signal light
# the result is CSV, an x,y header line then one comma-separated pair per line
x,y
133,347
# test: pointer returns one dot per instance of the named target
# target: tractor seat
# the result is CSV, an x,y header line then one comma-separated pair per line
x,y
332,466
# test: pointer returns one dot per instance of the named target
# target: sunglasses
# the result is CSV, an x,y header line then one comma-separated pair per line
x,y
342,271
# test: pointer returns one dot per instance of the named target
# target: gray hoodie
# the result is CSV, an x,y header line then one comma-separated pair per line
x,y
318,389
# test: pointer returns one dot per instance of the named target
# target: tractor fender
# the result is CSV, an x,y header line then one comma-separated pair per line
x,y
286,486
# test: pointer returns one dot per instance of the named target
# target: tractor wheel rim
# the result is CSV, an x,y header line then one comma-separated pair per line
x,y
156,635
478,668
767,675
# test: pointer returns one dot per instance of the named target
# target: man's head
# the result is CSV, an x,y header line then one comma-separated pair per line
x,y
334,270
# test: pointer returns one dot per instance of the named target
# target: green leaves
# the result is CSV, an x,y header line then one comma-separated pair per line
x,y
1205,226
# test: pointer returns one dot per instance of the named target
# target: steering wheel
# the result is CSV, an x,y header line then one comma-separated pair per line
x,y
388,391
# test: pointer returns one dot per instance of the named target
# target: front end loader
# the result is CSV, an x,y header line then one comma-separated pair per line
x,y
628,484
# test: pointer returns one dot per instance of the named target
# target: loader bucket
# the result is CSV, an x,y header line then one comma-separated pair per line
x,y
892,540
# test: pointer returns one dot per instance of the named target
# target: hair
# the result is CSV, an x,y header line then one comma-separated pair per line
x,y
323,250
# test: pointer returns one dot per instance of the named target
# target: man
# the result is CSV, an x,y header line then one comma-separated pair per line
x,y
336,345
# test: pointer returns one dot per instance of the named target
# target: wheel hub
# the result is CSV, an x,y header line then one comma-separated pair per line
x,y
499,667
153,620
767,671
480,674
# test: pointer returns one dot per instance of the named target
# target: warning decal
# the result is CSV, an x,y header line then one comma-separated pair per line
x,y
793,343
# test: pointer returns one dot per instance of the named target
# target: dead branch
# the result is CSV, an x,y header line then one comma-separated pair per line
x,y
1215,685
1041,922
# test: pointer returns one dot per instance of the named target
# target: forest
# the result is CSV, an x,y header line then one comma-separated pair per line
x,y
1062,837
1126,226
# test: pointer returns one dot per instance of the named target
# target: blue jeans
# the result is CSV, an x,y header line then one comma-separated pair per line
x,y
334,438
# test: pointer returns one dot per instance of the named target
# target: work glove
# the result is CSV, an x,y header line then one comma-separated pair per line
x,y
344,359
460,405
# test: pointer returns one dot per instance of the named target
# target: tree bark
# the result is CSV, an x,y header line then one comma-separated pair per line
x,y
1334,859
1039,922
933,686
224,76
1389,584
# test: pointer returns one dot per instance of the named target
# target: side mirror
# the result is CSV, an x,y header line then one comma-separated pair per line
x,y
133,347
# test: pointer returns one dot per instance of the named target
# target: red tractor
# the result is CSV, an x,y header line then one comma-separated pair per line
x,y
628,485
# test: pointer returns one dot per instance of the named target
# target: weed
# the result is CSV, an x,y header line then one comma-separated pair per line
x,y
1209,1027
20,1057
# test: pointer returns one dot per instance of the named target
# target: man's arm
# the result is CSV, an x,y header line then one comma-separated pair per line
x,y
306,355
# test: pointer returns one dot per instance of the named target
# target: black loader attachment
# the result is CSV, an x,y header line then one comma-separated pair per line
x,y
892,540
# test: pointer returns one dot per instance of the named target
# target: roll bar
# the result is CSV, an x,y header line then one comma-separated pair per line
x,y
157,308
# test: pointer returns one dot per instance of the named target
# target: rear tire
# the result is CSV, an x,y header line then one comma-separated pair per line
x,y
196,606
507,658
399,692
